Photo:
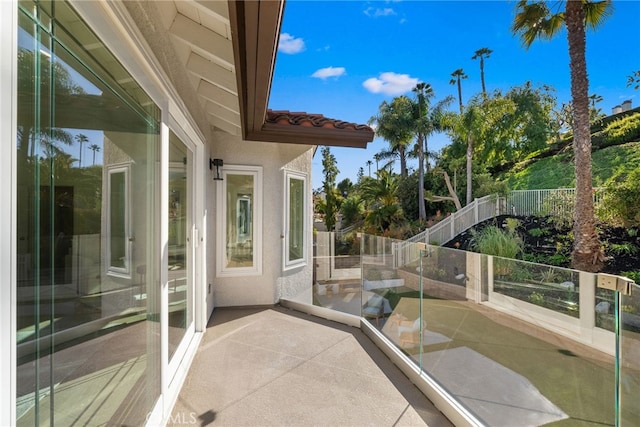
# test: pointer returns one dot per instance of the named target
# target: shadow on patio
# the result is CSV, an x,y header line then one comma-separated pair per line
x,y
275,366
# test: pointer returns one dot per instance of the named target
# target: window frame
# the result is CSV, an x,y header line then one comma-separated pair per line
x,y
287,262
222,270
123,272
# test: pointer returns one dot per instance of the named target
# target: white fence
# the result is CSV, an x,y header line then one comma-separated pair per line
x,y
479,210
545,202
518,202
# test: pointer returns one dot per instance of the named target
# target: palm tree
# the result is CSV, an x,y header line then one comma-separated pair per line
x,y
427,120
381,196
95,148
534,21
457,76
482,53
81,138
394,124
424,93
369,163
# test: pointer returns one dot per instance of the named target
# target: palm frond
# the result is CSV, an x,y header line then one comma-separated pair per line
x,y
596,12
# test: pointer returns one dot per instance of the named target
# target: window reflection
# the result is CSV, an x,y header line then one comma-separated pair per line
x,y
239,220
87,353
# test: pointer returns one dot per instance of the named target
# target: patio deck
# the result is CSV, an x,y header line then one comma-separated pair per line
x,y
275,366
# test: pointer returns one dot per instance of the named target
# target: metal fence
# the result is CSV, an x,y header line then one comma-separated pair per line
x,y
546,202
479,210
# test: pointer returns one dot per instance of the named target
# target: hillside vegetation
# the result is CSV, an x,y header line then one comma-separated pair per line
x,y
616,149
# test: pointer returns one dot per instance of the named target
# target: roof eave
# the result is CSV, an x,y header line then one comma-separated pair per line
x,y
255,27
271,132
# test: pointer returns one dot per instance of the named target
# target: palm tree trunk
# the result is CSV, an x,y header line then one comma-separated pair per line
x,y
460,94
484,89
469,168
422,212
587,251
403,160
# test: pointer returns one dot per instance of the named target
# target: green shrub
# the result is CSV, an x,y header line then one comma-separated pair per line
x,y
495,241
619,206
536,298
512,224
633,275
623,249
537,232
559,207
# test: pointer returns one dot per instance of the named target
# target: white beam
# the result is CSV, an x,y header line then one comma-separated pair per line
x,y
204,39
223,113
224,125
212,72
218,95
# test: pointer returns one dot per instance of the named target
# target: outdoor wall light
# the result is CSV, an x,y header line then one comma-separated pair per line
x,y
218,164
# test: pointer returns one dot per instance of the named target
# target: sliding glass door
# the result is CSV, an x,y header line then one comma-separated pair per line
x,y
180,266
87,225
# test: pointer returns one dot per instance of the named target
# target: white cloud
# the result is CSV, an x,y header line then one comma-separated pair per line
x,y
289,44
390,83
324,73
376,11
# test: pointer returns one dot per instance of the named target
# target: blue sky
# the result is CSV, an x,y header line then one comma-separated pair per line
x,y
343,58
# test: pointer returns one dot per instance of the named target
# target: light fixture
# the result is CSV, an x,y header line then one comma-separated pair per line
x,y
218,164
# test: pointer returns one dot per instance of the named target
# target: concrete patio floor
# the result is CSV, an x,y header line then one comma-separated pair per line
x,y
278,367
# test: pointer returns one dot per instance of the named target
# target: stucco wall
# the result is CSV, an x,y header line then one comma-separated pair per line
x,y
273,283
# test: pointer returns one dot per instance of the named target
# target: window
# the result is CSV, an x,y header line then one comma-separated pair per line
x,y
295,229
118,221
240,222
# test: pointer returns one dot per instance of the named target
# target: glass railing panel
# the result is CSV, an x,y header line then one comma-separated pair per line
x,y
629,358
553,288
391,297
605,309
337,273
477,344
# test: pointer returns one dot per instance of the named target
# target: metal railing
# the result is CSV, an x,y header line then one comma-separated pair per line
x,y
479,210
545,202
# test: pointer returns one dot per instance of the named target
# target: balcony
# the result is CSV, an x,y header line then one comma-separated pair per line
x,y
490,341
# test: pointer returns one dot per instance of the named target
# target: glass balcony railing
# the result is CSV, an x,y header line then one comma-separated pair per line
x,y
513,342
629,358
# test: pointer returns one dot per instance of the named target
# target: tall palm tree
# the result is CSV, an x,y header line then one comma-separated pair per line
x,y
481,54
394,124
81,138
424,94
95,148
458,75
369,163
537,21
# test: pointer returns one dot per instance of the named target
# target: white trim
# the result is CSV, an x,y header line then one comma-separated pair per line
x,y
286,263
8,132
164,253
124,272
257,221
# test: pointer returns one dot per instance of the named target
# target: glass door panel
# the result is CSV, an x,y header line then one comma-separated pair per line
x,y
180,265
87,262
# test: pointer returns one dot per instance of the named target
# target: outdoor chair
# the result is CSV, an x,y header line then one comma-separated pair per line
x,y
409,332
374,308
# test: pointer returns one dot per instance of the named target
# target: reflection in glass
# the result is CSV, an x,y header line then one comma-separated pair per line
x,y
87,348
118,220
240,193
296,219
180,313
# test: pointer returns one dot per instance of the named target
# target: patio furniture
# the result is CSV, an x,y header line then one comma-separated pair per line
x,y
374,308
409,332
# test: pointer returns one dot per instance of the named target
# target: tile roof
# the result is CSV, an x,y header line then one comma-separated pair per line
x,y
288,118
